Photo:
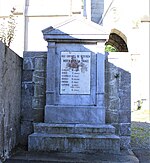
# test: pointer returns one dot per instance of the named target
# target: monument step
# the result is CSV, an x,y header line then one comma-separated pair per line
x,y
74,129
74,143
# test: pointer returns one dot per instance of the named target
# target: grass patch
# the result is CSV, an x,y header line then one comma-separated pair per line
x,y
140,135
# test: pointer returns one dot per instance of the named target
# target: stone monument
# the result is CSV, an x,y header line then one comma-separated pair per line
x,y
74,116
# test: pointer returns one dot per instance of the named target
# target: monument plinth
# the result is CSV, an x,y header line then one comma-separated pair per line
x,y
75,91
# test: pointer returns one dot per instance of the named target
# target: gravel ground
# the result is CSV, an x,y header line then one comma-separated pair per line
x,y
140,134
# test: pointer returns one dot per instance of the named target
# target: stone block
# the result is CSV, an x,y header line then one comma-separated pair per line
x,y
25,112
112,116
38,102
27,89
124,116
125,142
125,99
114,104
112,73
117,128
40,63
32,54
125,78
27,94
125,129
38,115
39,90
26,104
26,130
28,63
125,90
113,89
39,77
27,75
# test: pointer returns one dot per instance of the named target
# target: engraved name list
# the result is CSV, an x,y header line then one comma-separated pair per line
x,y
75,73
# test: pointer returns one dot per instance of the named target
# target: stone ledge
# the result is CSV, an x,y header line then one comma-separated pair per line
x,y
73,128
73,143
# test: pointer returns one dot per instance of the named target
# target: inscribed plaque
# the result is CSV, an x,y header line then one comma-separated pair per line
x,y
75,73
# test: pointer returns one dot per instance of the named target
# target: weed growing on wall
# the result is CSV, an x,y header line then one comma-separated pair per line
x,y
109,48
7,28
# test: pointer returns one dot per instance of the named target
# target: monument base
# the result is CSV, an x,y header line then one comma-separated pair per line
x,y
75,115
74,138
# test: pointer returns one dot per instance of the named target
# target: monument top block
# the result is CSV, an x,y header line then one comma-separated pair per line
x,y
75,29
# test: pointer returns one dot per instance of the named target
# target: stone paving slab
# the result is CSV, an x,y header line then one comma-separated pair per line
x,y
53,157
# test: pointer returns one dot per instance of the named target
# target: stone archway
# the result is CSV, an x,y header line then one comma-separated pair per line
x,y
118,40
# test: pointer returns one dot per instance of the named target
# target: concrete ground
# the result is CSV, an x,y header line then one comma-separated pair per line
x,y
53,157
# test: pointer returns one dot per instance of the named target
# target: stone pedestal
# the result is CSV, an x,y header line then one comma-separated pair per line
x,y
74,138
75,91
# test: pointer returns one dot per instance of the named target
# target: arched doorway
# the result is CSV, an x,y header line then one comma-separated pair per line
x,y
117,40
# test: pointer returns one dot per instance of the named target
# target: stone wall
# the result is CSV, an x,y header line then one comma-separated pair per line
x,y
118,95
33,92
10,100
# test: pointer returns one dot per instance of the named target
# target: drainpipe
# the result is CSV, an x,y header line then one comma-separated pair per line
x,y
26,20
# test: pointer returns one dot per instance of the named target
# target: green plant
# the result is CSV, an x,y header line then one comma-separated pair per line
x,y
7,28
109,48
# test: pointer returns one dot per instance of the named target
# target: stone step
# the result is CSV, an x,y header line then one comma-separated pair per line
x,y
73,142
74,129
